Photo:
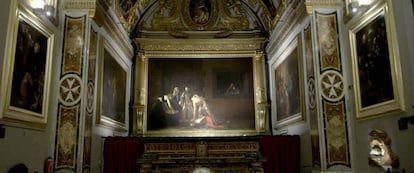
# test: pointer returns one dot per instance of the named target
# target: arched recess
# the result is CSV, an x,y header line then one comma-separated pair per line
x,y
200,29
221,19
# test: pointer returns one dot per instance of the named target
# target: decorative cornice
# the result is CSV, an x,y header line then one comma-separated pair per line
x,y
206,45
324,2
115,30
310,4
87,5
284,29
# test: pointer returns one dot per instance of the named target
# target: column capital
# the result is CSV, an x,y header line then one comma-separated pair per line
x,y
310,4
86,5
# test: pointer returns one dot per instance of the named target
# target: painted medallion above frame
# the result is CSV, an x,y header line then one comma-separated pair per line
x,y
27,65
376,63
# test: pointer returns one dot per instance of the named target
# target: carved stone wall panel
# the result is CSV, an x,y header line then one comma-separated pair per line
x,y
336,133
71,87
331,85
70,91
90,99
328,41
311,96
66,141
73,45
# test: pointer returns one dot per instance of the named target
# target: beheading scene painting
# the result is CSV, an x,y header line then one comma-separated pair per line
x,y
200,93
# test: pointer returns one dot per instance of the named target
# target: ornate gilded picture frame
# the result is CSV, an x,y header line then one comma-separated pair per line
x,y
182,94
376,64
26,70
288,92
113,91
198,92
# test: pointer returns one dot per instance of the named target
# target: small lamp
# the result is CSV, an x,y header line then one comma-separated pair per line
x,y
49,10
353,6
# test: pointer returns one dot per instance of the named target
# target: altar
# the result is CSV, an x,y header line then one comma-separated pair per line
x,y
201,155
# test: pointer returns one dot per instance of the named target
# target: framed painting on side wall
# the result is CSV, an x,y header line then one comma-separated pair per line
x,y
288,86
376,64
113,90
26,71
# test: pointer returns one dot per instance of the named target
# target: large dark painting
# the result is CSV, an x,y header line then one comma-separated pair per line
x,y
29,68
375,80
114,89
197,94
376,64
288,87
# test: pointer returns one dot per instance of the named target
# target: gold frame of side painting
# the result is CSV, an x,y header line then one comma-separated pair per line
x,y
288,86
113,88
26,69
376,64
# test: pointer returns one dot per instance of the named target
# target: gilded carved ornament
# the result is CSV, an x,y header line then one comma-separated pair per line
x,y
176,16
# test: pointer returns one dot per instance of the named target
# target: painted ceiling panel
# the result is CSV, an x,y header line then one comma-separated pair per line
x,y
175,16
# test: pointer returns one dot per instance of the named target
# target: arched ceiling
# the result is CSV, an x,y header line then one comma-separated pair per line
x,y
179,18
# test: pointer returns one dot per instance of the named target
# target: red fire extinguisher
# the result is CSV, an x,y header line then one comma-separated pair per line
x,y
48,165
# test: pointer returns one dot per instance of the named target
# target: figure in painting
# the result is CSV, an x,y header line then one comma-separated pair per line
x,y
210,121
202,115
232,89
173,107
157,117
186,103
165,111
198,104
201,12
282,92
177,109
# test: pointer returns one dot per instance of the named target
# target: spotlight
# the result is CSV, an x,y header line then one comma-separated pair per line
x,y
49,10
353,6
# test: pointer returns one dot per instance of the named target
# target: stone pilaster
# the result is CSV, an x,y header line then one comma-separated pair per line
x,y
330,84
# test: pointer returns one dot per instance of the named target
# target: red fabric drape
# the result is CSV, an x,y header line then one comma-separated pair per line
x,y
121,154
282,154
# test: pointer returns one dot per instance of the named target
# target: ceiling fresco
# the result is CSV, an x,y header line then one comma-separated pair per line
x,y
179,16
